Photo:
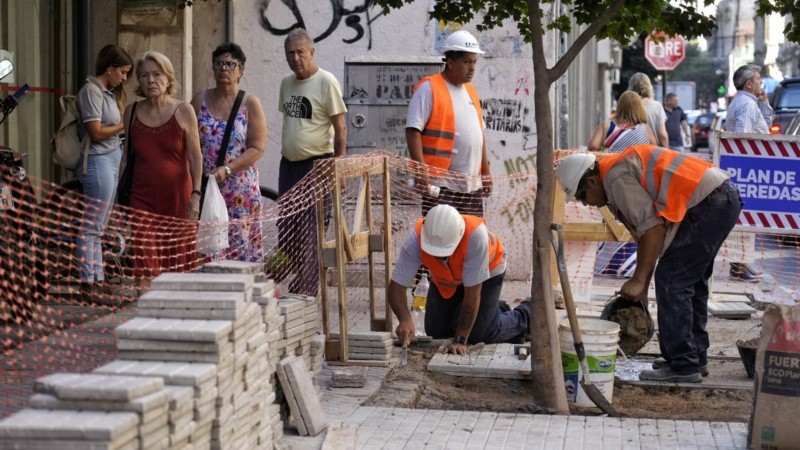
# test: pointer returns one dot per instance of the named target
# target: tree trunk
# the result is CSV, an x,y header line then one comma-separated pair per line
x,y
548,379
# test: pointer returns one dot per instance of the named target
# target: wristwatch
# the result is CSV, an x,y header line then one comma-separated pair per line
x,y
460,340
228,170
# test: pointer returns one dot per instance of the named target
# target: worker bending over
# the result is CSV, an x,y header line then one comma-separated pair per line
x,y
679,209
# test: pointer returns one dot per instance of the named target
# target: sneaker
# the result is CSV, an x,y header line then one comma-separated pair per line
x,y
661,362
743,272
669,375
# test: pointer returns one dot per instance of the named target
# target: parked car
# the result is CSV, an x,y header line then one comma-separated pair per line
x,y
785,104
793,129
700,129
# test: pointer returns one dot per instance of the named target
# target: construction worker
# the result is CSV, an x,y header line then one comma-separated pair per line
x,y
467,264
679,210
444,131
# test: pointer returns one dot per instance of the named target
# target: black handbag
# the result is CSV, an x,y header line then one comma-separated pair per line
x,y
126,179
223,148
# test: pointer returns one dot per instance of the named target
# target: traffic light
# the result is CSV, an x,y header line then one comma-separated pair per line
x,y
721,90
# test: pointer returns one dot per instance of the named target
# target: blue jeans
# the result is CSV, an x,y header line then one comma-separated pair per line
x,y
491,326
682,278
99,187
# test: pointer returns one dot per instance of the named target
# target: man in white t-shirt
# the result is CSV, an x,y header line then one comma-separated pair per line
x,y
314,128
444,132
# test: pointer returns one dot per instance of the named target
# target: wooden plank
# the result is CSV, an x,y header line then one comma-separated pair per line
x,y
620,232
588,232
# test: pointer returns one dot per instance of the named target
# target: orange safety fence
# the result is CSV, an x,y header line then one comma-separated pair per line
x,y
47,326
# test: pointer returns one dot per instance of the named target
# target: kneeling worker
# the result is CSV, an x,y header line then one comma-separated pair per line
x,y
467,264
679,209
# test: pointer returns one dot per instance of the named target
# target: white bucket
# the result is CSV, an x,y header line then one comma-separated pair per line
x,y
600,339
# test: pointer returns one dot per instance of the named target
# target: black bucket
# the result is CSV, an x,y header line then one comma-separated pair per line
x,y
747,352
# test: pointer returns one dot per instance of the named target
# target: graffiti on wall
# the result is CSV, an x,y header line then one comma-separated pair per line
x,y
358,18
505,115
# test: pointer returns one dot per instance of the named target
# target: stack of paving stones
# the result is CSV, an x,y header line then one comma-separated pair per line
x,y
264,296
368,346
199,380
214,339
144,396
53,429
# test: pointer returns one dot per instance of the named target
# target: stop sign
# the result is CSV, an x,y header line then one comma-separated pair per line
x,y
665,55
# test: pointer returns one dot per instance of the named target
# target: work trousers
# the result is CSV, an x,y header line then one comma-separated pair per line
x,y
682,278
491,326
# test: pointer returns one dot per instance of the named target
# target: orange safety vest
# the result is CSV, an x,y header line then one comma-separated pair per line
x,y
438,137
668,176
447,277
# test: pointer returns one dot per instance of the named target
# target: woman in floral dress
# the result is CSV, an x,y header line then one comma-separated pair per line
x,y
238,176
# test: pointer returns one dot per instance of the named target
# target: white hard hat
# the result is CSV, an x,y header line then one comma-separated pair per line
x,y
571,169
461,41
442,231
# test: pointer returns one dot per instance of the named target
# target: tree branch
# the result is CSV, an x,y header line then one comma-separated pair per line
x,y
564,62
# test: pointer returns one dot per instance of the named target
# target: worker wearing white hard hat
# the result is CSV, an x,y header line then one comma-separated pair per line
x,y
444,131
467,264
679,209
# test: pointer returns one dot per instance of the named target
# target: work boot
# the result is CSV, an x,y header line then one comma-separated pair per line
x,y
743,272
668,375
661,362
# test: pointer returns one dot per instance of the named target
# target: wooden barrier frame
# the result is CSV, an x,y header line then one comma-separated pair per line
x,y
609,231
352,244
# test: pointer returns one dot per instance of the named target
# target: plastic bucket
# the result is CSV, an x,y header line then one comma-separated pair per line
x,y
600,339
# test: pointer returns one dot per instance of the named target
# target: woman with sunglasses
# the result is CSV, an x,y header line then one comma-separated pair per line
x,y
237,176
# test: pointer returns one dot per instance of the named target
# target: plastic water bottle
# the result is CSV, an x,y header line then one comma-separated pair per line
x,y
418,305
421,293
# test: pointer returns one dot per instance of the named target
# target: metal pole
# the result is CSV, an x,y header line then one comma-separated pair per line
x,y
664,87
83,42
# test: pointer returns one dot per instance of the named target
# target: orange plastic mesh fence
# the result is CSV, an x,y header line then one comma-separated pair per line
x,y
47,324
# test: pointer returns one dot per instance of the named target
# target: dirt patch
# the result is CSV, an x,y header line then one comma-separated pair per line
x,y
412,386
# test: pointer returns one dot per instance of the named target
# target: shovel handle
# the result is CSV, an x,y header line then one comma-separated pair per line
x,y
558,247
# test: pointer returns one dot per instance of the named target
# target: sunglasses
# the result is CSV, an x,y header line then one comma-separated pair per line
x,y
226,65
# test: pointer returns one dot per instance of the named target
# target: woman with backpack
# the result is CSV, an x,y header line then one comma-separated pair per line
x,y
99,103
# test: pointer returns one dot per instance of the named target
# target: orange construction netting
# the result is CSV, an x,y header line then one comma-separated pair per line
x,y
47,326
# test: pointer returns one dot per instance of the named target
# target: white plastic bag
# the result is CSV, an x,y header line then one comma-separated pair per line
x,y
212,233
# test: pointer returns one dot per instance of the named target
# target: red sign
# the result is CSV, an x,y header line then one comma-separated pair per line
x,y
667,54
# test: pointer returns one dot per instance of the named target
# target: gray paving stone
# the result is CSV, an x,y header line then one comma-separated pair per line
x,y
88,386
192,299
367,336
174,329
172,346
193,357
263,288
198,314
37,444
173,373
141,405
199,281
232,266
305,395
67,425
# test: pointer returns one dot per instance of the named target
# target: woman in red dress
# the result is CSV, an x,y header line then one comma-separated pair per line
x,y
166,173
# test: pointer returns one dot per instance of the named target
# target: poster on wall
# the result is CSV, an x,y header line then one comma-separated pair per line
x,y
149,13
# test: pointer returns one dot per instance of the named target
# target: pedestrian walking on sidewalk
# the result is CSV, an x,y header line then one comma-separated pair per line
x,y
467,264
679,209
678,129
749,112
656,120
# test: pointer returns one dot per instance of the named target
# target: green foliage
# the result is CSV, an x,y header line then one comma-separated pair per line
x,y
634,17
790,8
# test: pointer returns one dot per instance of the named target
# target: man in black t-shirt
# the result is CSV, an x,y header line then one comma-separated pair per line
x,y
676,119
